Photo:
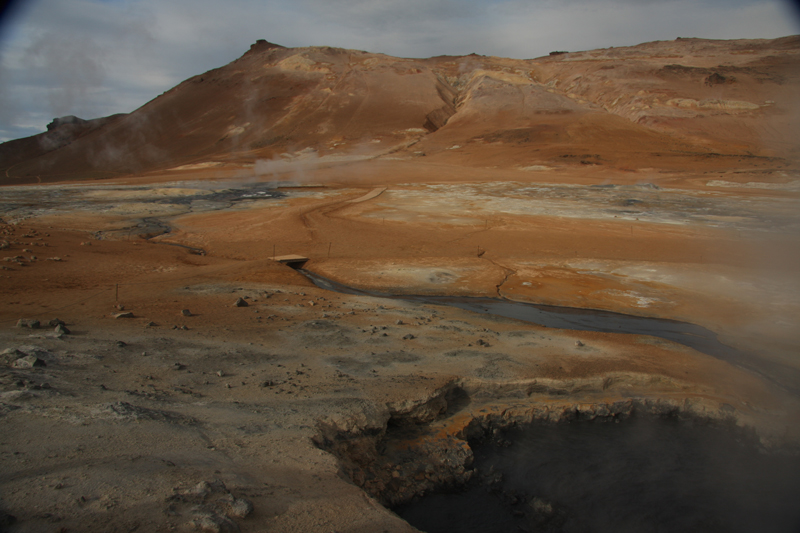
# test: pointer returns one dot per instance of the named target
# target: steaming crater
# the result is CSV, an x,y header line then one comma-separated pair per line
x,y
473,459
610,475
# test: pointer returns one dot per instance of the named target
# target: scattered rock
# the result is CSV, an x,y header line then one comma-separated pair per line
x,y
408,337
151,324
186,312
240,302
61,329
28,323
54,259
56,322
579,343
121,344
127,411
541,506
482,342
208,521
399,322
126,314
213,506
238,507
29,361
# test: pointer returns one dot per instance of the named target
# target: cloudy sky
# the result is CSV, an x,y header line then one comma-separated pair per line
x,y
93,58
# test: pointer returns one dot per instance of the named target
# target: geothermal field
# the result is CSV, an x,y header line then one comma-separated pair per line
x,y
329,290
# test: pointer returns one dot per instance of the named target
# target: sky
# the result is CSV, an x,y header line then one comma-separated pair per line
x,y
93,58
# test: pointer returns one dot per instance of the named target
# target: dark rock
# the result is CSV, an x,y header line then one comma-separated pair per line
x,y
69,119
28,323
121,344
238,507
7,519
186,312
61,329
29,361
56,322
408,337
126,314
718,79
240,302
208,521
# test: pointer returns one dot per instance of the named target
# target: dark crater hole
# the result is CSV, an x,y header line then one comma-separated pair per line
x,y
636,475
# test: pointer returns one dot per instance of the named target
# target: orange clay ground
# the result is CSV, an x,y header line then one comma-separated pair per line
x,y
238,394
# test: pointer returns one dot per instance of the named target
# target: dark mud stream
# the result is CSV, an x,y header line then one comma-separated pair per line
x,y
639,475
691,335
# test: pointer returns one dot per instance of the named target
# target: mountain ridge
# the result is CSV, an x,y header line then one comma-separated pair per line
x,y
670,104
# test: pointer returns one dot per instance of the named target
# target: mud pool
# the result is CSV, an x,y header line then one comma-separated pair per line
x,y
169,200
636,475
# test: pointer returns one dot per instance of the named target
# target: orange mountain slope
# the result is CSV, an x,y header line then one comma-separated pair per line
x,y
684,104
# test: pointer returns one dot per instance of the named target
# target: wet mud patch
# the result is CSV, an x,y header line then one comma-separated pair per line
x,y
367,363
691,335
498,367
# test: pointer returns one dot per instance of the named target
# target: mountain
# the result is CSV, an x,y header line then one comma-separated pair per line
x,y
683,104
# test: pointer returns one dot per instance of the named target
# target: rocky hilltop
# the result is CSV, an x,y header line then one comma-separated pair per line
x,y
686,103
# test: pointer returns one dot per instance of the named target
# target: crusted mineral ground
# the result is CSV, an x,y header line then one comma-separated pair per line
x,y
317,407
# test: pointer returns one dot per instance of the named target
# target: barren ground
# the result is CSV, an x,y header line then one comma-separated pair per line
x,y
241,394
659,180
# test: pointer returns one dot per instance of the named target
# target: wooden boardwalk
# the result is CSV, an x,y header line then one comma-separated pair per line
x,y
290,259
